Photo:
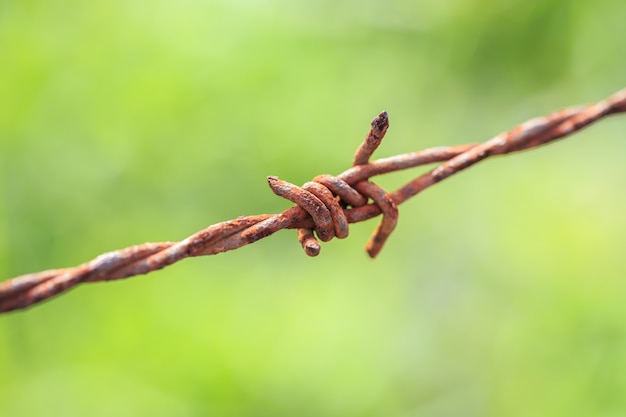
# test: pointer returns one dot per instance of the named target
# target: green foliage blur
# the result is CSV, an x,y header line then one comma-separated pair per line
x,y
502,292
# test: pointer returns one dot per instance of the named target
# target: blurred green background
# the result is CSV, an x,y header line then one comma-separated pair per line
x,y
500,294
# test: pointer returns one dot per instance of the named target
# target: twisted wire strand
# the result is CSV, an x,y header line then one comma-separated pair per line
x,y
325,205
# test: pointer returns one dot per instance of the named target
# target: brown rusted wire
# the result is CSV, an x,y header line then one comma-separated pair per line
x,y
325,205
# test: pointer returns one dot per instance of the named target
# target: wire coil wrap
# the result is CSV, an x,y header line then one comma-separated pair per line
x,y
326,208
326,197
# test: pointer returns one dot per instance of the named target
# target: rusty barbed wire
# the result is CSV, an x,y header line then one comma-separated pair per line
x,y
326,205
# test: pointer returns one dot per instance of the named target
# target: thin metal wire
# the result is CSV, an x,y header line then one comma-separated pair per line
x,y
326,205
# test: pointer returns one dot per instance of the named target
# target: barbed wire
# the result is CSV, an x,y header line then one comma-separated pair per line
x,y
326,205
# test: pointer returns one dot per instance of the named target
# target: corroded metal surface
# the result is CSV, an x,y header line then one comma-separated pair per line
x,y
324,206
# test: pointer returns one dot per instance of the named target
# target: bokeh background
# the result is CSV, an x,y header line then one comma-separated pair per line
x,y
502,292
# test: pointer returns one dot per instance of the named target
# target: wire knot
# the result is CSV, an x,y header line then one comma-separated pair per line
x,y
326,199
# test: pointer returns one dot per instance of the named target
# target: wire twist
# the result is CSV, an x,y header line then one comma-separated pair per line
x,y
326,197
325,205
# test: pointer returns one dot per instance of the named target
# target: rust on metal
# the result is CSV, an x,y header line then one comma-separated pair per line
x,y
309,202
325,205
390,216
340,222
310,245
339,187
372,140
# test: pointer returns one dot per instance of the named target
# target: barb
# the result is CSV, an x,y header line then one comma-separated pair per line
x,y
326,205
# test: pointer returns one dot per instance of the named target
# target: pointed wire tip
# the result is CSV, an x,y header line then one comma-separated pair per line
x,y
381,120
